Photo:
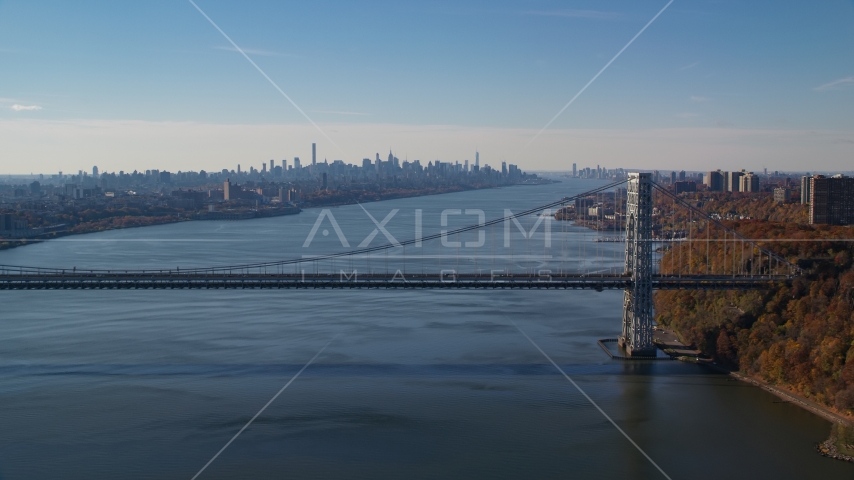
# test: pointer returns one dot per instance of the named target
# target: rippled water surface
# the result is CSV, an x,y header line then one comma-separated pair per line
x,y
413,384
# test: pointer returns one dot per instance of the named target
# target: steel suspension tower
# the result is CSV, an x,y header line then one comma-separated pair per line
x,y
637,300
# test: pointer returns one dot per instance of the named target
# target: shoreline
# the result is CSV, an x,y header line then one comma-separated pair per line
x,y
827,448
790,397
189,216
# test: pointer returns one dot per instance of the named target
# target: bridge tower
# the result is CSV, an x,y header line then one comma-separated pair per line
x,y
636,337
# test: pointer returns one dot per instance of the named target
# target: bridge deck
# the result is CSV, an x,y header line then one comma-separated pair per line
x,y
55,281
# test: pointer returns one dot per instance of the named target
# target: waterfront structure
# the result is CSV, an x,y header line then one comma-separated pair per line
x,y
832,200
636,336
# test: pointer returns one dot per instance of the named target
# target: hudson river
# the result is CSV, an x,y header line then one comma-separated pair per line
x,y
413,384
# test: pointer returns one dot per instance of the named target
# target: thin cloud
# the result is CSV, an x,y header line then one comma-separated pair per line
x,y
339,112
25,108
250,51
836,84
697,98
592,14
686,67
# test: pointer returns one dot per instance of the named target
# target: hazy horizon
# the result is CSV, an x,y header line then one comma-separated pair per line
x,y
706,85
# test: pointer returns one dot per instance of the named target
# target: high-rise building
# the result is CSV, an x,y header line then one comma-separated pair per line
x,y
782,195
95,172
504,168
832,200
297,164
314,154
684,186
734,183
682,176
574,170
715,181
226,189
272,165
805,190
748,182
672,178
477,159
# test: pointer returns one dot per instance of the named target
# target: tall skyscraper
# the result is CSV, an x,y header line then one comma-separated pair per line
x,y
272,165
574,170
477,159
297,165
95,172
314,154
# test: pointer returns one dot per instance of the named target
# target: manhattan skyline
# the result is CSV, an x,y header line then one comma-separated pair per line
x,y
769,84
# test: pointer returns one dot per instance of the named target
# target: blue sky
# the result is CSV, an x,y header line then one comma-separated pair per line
x,y
760,83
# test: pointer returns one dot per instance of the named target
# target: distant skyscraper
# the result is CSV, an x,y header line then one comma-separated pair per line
x,y
272,165
466,166
238,168
477,159
95,171
574,170
297,164
313,153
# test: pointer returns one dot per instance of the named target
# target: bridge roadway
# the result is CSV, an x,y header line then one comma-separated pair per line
x,y
446,280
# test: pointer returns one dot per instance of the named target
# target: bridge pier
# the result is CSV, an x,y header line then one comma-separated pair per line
x,y
636,337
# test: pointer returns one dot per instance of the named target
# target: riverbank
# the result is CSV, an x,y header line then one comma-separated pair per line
x,y
834,447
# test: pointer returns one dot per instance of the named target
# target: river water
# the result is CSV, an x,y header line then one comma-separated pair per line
x,y
413,384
